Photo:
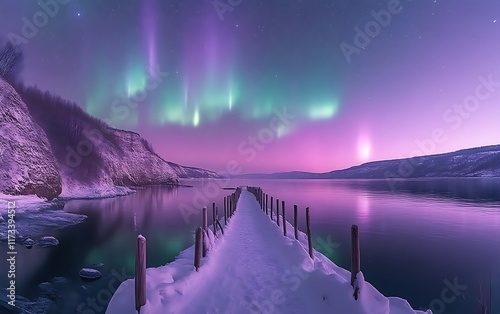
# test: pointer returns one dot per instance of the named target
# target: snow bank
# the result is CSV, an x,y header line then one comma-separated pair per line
x,y
34,215
255,269
23,202
73,189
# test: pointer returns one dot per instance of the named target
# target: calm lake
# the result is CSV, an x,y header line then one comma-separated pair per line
x,y
416,241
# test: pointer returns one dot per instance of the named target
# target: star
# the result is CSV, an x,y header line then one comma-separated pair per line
x,y
494,21
79,14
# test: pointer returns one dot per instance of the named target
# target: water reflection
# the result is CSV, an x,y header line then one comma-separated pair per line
x,y
363,206
422,233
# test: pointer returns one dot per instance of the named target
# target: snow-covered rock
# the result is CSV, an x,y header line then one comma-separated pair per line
x,y
28,243
27,165
47,241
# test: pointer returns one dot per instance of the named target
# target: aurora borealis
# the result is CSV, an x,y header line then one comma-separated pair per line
x,y
218,81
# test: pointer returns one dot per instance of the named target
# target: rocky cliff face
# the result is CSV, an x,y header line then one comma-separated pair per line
x,y
27,164
96,160
118,158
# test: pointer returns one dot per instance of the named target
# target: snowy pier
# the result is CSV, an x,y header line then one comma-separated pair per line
x,y
253,267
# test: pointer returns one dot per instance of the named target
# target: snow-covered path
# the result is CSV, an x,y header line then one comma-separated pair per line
x,y
248,265
253,268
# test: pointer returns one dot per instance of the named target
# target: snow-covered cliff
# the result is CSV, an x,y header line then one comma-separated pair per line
x,y
192,172
122,159
27,164
50,147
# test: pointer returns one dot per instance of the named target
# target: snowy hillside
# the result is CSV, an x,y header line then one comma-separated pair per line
x,y
473,162
27,165
50,147
124,160
192,172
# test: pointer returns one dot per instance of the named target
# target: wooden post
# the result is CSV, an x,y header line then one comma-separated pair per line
x,y
198,247
214,218
205,218
263,201
217,217
205,227
140,273
272,202
267,211
355,261
225,212
278,212
284,219
295,228
309,240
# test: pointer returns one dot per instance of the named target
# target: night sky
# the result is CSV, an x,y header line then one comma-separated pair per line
x,y
222,71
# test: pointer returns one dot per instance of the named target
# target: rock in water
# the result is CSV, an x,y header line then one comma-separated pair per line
x,y
48,241
89,274
29,243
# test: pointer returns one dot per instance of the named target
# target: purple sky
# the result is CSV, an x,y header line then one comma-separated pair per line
x,y
416,87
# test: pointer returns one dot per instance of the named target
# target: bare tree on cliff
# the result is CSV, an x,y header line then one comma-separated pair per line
x,y
11,62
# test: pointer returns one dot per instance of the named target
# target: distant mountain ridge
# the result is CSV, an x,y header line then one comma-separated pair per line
x,y
471,162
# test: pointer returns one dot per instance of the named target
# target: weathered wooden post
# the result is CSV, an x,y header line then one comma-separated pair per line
x,y
309,240
205,227
355,259
267,211
278,212
295,228
214,217
225,212
198,247
140,273
272,202
263,201
284,219
205,219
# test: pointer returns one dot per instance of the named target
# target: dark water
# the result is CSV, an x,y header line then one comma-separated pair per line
x,y
416,242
